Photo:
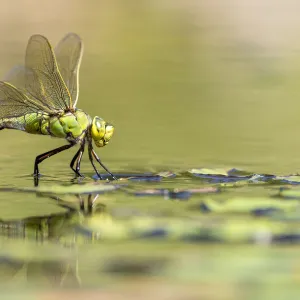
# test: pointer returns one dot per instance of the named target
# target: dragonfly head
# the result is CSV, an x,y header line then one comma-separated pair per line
x,y
101,132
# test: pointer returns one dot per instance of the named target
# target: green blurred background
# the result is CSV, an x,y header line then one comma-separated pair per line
x,y
186,83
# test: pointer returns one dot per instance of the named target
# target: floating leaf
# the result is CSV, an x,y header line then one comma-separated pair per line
x,y
167,174
204,171
262,178
219,175
238,172
220,171
292,179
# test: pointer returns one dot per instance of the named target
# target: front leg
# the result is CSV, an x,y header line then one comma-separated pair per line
x,y
102,165
90,148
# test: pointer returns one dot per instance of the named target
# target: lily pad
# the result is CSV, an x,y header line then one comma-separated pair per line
x,y
220,175
204,171
292,179
167,174
219,171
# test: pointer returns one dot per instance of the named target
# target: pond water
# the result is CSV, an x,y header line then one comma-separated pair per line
x,y
187,86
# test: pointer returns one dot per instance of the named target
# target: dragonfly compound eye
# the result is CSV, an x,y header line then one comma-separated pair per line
x,y
109,131
101,132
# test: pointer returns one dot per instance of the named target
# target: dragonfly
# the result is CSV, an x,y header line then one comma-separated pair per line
x,y
40,97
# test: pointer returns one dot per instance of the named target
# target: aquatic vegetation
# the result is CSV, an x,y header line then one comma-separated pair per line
x,y
155,222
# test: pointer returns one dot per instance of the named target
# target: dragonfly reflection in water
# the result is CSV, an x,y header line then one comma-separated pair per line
x,y
41,98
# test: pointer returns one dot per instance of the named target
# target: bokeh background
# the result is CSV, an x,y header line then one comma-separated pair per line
x,y
186,83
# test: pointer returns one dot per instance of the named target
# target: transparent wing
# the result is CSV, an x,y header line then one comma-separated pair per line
x,y
18,76
43,80
14,103
68,54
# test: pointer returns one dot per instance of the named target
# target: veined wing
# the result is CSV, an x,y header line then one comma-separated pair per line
x,y
43,80
14,103
19,77
68,54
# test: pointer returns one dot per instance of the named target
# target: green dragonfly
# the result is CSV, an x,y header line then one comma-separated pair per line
x,y
41,96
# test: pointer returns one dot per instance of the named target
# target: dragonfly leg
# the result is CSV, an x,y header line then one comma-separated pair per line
x,y
92,162
45,155
73,160
78,157
102,165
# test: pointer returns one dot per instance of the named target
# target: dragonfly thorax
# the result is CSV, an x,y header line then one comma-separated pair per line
x,y
101,131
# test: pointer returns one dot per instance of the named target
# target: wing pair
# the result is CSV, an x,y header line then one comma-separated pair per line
x,y
49,81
